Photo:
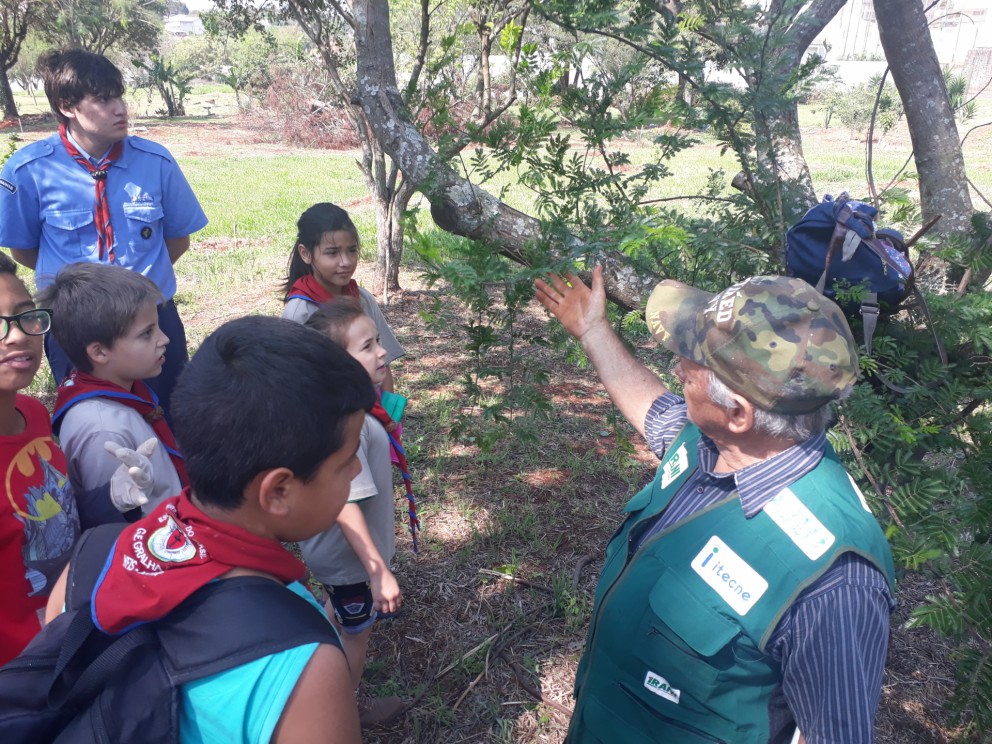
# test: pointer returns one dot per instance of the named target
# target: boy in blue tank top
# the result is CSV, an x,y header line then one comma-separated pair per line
x,y
269,484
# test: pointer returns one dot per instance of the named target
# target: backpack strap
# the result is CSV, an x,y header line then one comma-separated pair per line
x,y
94,677
196,637
89,557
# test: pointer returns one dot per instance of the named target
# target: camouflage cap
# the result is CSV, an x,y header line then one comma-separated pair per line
x,y
773,339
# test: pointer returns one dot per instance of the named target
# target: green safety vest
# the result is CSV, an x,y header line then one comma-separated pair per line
x,y
675,652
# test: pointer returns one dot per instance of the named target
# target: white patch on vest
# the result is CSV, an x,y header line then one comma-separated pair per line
x,y
728,575
660,687
799,523
861,496
674,466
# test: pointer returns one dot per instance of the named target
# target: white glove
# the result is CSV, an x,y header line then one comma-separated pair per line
x,y
131,484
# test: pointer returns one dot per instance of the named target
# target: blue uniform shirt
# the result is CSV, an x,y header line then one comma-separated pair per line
x,y
47,203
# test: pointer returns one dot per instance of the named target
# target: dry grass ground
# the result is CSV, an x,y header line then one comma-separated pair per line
x,y
484,658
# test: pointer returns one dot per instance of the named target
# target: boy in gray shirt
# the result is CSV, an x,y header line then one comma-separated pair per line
x,y
106,321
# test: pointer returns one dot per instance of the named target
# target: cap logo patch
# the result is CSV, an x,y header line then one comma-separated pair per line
x,y
723,303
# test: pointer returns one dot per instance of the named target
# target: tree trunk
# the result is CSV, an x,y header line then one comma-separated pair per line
x,y
778,140
7,97
485,87
389,240
902,27
782,163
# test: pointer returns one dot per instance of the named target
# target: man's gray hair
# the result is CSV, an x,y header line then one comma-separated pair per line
x,y
797,427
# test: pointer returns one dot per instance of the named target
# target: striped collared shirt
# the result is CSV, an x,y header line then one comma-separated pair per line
x,y
832,642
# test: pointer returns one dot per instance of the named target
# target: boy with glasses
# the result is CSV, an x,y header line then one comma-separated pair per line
x,y
39,512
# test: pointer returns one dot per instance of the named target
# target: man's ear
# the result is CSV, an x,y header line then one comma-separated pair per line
x,y
305,253
740,418
276,489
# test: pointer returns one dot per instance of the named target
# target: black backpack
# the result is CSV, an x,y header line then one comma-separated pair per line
x,y
74,683
879,263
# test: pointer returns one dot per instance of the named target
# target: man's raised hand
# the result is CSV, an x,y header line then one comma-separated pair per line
x,y
578,307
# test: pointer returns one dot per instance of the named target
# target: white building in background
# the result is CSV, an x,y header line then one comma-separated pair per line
x,y
184,25
961,32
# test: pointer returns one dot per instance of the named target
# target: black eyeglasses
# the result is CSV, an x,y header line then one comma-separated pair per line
x,y
32,322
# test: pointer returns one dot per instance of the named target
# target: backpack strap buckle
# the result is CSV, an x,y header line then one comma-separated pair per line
x,y
869,316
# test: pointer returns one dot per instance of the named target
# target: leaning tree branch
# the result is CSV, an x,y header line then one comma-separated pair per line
x,y
457,205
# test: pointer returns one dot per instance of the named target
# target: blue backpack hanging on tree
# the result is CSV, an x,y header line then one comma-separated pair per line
x,y
836,248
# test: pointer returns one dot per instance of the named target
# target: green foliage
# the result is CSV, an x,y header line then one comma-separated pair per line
x,y
25,70
103,26
10,149
502,392
170,79
569,603
242,59
965,108
925,461
854,106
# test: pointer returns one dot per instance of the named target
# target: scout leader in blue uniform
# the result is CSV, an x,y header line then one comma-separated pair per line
x,y
91,193
746,597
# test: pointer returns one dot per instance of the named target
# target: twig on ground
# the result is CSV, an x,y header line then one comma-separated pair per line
x,y
516,580
474,682
469,653
523,679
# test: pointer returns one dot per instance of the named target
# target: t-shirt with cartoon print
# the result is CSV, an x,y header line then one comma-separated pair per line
x,y
38,525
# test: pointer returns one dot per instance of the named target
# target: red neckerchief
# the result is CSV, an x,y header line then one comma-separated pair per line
x,y
309,289
163,558
101,214
392,431
80,386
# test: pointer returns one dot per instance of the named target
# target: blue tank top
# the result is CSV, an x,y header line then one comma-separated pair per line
x,y
243,704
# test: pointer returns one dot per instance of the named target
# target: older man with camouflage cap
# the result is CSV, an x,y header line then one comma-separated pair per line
x,y
746,596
